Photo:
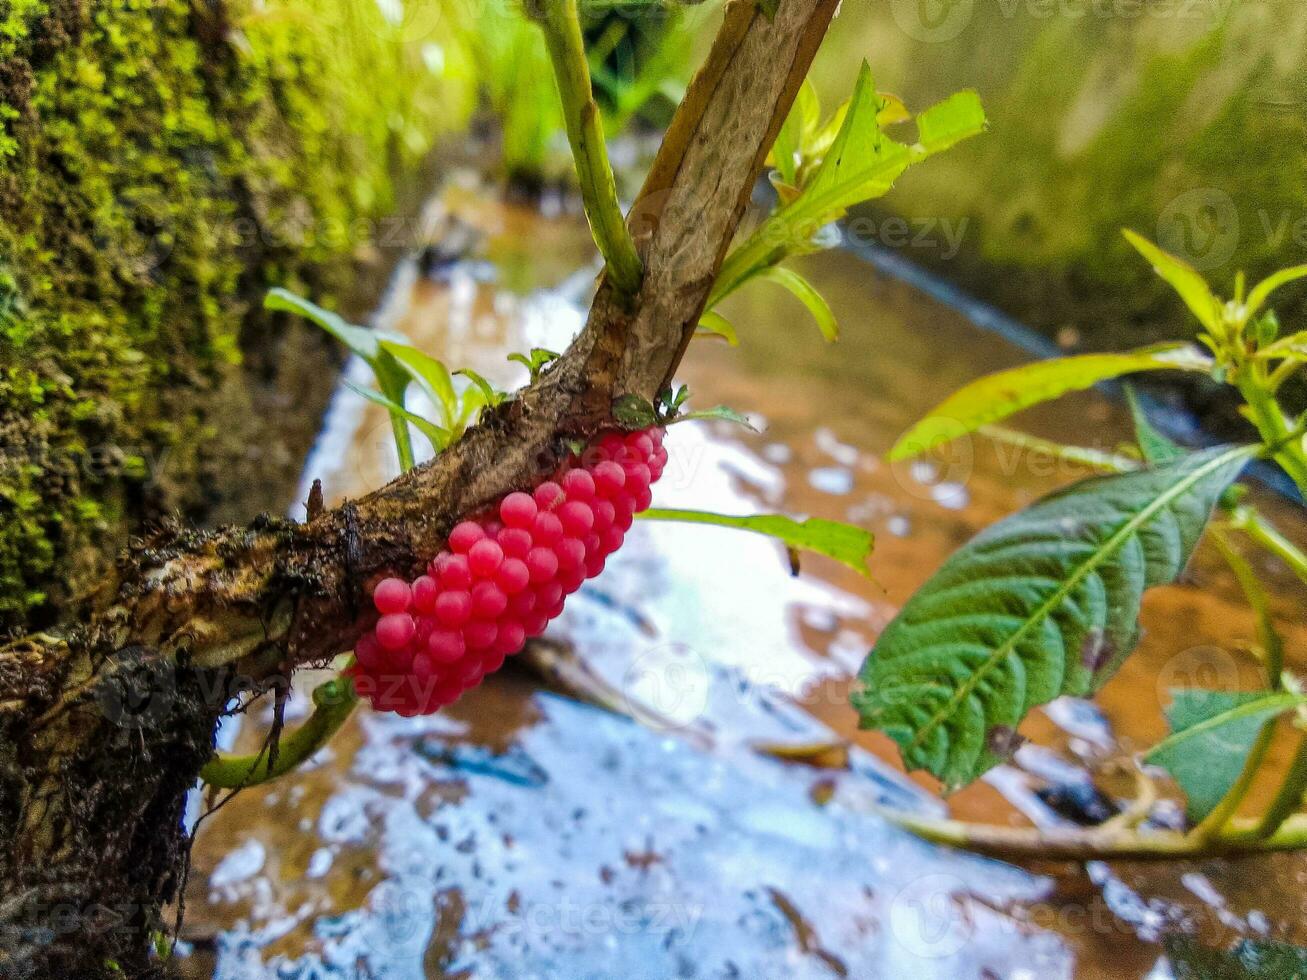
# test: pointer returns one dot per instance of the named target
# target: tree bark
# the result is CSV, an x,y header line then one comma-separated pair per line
x,y
103,728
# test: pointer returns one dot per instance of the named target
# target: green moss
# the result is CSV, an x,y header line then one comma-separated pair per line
x,y
161,163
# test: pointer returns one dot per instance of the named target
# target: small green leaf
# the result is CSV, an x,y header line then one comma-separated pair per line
x,y
859,164
1262,291
1213,732
1266,328
801,121
1184,279
1155,447
1041,604
488,391
634,412
807,294
536,360
714,323
996,396
430,373
948,123
359,340
718,413
845,543
1293,346
439,437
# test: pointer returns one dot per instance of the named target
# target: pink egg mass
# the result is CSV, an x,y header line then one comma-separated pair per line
x,y
503,577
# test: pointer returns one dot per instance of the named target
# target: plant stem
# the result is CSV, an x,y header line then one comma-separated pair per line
x,y
1098,843
1272,424
1288,797
585,132
1264,533
403,442
332,704
1268,638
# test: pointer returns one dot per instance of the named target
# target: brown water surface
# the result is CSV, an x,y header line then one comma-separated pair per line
x,y
525,834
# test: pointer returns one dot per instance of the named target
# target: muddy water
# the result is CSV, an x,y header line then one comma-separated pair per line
x,y
526,834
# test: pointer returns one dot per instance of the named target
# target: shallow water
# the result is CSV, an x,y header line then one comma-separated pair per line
x,y
525,834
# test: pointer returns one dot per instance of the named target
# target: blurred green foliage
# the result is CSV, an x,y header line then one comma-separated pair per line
x,y
1187,121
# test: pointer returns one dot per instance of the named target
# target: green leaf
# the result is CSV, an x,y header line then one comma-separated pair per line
x,y
1262,291
536,360
1184,279
635,412
430,373
1293,346
957,118
718,413
489,392
801,121
861,163
806,293
845,543
1213,732
1156,448
996,396
1041,604
439,437
714,323
359,340
367,344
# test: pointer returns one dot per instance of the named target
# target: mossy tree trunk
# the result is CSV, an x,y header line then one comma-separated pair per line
x,y
161,165
104,726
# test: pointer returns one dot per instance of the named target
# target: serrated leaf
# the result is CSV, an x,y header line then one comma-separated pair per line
x,y
860,163
438,436
1041,604
714,323
430,373
996,396
845,543
720,413
806,293
1213,732
948,123
1155,447
1184,279
1262,291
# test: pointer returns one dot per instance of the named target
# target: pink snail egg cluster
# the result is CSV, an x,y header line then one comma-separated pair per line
x,y
503,577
